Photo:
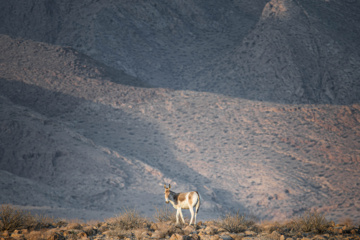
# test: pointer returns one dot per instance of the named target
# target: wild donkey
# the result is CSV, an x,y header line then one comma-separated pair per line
x,y
187,200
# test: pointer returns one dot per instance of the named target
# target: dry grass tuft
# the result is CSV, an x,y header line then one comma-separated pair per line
x,y
236,223
12,218
269,227
129,219
164,215
311,221
41,221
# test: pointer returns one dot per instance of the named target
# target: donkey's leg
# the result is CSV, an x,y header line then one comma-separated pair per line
x,y
178,212
197,206
182,217
192,214
195,218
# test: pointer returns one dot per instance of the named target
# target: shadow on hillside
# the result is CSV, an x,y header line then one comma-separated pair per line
x,y
127,134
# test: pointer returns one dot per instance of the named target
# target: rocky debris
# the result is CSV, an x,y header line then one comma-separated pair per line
x,y
167,230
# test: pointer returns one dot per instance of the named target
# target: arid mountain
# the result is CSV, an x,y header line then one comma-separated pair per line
x,y
102,102
285,51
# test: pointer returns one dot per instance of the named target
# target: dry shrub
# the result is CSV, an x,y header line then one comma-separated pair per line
x,y
236,223
284,228
41,221
311,221
269,227
129,219
12,218
164,215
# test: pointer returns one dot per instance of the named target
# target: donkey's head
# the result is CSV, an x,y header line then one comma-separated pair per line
x,y
167,193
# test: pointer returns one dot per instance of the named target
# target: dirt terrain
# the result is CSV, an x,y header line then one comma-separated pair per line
x,y
91,121
131,225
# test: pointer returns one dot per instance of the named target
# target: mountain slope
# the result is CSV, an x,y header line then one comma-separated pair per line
x,y
285,51
76,138
298,52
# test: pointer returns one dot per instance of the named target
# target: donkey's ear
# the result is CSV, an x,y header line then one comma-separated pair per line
x,y
169,186
165,186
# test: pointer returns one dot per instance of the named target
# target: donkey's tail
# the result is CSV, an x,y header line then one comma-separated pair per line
x,y
197,206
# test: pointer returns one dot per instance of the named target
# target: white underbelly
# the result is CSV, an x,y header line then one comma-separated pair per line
x,y
183,205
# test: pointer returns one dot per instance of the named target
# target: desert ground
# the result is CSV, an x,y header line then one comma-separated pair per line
x,y
131,225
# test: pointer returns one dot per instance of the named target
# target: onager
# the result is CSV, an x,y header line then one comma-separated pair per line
x,y
187,200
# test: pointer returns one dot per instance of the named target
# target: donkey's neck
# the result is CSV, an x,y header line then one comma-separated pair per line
x,y
173,198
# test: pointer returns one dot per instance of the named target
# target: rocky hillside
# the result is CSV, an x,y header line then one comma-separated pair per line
x,y
298,52
102,102
286,51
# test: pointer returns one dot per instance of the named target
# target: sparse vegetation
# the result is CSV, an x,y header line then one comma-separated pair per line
x,y
130,224
311,221
164,215
42,221
12,218
130,218
236,222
